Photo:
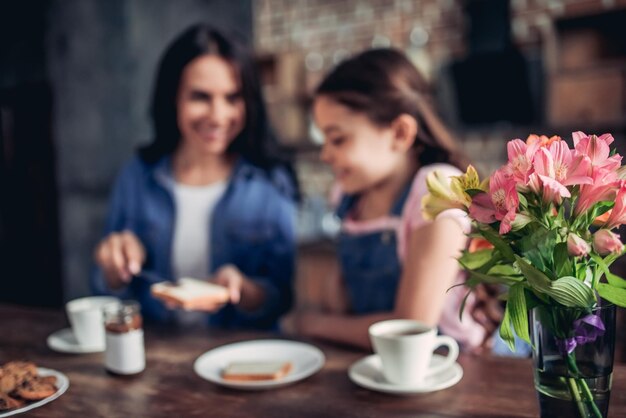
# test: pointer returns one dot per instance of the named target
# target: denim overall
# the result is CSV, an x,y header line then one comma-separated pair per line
x,y
371,271
369,262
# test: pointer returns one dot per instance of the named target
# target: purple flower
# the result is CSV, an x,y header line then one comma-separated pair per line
x,y
586,330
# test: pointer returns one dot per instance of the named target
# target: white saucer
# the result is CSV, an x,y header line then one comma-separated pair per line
x,y
62,384
367,373
305,360
64,341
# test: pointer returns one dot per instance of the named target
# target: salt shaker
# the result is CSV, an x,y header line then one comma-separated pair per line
x,y
125,353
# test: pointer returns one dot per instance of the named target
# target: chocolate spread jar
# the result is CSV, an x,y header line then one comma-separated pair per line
x,y
125,353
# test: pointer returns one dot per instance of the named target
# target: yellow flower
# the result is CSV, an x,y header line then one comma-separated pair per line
x,y
450,192
468,181
444,193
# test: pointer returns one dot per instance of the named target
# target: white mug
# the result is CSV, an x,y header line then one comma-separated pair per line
x,y
406,346
86,318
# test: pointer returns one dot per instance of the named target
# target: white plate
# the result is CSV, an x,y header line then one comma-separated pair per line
x,y
62,384
368,373
305,360
64,341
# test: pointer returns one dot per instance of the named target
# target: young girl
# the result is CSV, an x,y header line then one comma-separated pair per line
x,y
209,197
382,139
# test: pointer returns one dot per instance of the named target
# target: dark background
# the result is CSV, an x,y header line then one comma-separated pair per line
x,y
75,80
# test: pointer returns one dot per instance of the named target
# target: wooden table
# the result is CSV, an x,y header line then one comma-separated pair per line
x,y
491,387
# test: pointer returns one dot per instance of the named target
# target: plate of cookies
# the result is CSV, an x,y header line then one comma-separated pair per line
x,y
24,386
259,364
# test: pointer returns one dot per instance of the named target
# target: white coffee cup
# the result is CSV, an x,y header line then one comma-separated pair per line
x,y
86,318
406,347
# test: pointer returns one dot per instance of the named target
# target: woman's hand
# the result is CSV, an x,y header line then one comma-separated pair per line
x,y
231,278
120,255
242,291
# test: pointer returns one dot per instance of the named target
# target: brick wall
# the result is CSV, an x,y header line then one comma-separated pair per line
x,y
430,31
333,28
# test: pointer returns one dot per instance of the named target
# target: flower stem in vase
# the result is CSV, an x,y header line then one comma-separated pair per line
x,y
577,385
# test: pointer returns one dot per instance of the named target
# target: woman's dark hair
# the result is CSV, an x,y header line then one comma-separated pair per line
x,y
383,84
256,142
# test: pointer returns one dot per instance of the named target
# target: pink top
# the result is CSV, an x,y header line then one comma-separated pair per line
x,y
467,332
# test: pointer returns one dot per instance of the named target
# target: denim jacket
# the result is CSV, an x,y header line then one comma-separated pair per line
x,y
253,228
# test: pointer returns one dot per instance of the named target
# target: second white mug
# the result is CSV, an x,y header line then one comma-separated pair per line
x,y
86,318
406,348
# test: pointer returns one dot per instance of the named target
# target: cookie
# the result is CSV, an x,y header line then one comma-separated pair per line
x,y
7,402
20,368
14,373
8,382
49,379
35,388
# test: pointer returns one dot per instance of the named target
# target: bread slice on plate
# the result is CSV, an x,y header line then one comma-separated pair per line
x,y
256,370
187,291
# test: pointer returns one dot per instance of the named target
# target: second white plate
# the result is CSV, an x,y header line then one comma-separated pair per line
x,y
368,373
305,359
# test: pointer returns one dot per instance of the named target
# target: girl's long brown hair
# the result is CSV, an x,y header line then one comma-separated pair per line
x,y
383,84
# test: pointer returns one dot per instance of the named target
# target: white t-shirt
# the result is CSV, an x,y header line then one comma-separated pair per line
x,y
191,247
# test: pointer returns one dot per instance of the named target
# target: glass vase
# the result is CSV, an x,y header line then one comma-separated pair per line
x,y
573,360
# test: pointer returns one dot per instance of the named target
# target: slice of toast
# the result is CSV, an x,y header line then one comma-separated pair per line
x,y
256,370
188,291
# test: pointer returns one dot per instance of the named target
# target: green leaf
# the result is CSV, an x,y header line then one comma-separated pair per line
x,y
609,259
518,311
496,240
612,294
505,329
569,291
540,236
462,308
522,200
536,259
477,277
476,259
536,278
562,261
538,247
613,279
504,270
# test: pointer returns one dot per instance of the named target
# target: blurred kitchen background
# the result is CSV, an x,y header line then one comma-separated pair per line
x,y
76,77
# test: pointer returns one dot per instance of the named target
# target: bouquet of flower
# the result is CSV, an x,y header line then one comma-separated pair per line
x,y
548,216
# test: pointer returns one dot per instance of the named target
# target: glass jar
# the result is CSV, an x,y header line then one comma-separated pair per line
x,y
125,353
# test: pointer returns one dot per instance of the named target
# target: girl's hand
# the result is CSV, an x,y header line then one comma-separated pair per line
x,y
120,255
299,322
487,311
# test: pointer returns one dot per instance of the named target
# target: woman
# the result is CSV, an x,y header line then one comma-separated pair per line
x,y
210,197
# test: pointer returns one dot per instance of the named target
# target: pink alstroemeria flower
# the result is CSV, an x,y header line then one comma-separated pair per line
x,y
576,246
541,140
520,165
617,216
604,186
597,149
558,167
500,204
606,242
